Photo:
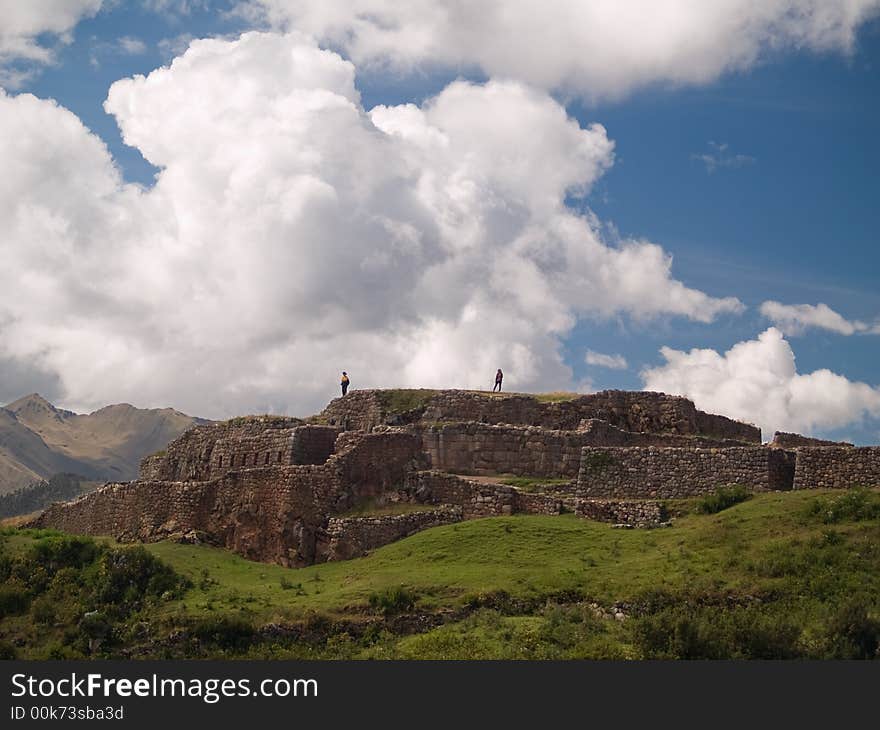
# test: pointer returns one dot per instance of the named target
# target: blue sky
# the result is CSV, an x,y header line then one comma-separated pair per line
x,y
787,212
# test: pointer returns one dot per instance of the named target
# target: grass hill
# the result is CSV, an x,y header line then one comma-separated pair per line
x,y
38,440
779,575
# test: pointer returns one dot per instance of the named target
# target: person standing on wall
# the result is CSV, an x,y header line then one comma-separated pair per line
x,y
344,382
499,376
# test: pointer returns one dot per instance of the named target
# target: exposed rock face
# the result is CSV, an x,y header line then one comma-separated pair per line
x,y
274,489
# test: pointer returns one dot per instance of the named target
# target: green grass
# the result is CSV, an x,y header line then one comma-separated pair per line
x,y
556,396
400,400
723,498
773,555
524,555
531,483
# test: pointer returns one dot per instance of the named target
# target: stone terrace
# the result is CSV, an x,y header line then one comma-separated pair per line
x,y
277,489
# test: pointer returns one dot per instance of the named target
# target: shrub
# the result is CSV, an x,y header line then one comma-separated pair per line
x,y
226,632
7,651
65,551
852,634
126,577
13,600
43,610
723,498
393,601
710,632
853,505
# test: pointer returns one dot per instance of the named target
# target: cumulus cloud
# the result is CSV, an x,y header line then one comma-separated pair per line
x,y
595,48
23,27
757,381
292,234
614,362
795,319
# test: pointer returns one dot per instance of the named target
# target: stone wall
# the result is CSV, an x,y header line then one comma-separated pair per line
x,y
151,467
477,499
643,412
268,514
838,467
195,455
352,537
640,513
264,513
639,472
477,448
359,410
313,444
782,440
209,452
372,463
484,449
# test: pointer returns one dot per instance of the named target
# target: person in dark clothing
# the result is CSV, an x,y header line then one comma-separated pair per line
x,y
499,376
344,382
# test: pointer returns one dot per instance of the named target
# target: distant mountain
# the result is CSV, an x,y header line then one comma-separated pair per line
x,y
38,440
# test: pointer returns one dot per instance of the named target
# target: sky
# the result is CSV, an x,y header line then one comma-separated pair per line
x,y
219,206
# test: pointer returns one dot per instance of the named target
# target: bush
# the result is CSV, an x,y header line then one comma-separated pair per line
x,y
852,634
13,600
393,601
7,651
853,505
225,632
710,632
723,498
126,577
43,610
64,551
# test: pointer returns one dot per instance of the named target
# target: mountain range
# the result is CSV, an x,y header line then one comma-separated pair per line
x,y
38,440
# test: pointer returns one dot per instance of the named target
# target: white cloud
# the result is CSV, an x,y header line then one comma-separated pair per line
x,y
22,22
757,381
291,234
593,47
124,46
614,362
719,155
175,8
131,46
794,319
175,46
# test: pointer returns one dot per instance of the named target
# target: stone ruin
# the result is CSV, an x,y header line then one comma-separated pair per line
x,y
300,492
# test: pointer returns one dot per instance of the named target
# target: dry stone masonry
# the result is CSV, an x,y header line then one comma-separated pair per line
x,y
670,473
840,467
278,489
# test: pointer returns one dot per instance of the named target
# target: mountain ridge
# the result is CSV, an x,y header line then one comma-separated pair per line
x,y
38,440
